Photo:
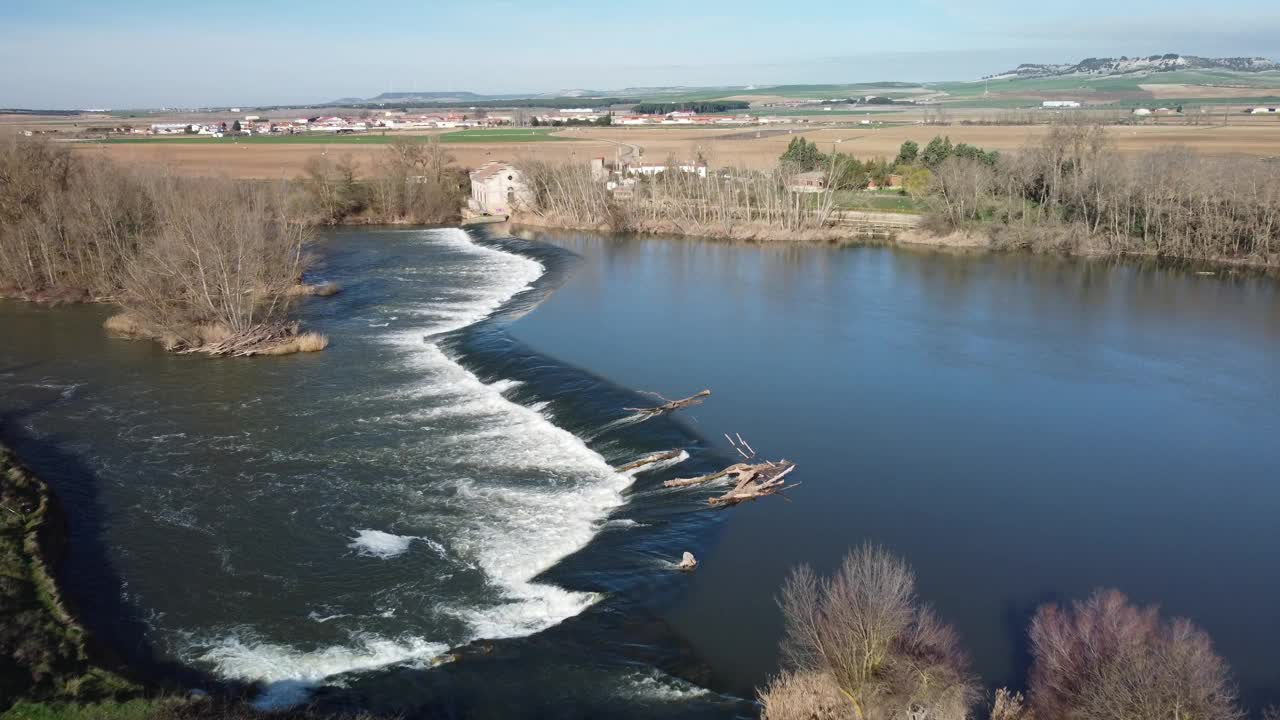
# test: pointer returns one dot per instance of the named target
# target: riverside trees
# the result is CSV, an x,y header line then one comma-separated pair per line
x,y
860,645
863,633
198,264
1073,191
414,181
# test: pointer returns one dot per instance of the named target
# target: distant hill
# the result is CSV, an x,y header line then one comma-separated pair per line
x,y
1125,65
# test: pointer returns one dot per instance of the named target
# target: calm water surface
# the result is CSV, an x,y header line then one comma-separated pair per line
x,y
425,516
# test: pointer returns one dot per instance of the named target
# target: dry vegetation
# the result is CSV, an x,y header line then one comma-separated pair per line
x,y
1073,192
201,266
413,181
209,265
858,645
734,203
864,632
1106,659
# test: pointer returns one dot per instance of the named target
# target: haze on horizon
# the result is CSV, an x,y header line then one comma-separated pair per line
x,y
82,53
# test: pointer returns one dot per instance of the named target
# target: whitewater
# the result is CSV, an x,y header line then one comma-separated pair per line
x,y
519,492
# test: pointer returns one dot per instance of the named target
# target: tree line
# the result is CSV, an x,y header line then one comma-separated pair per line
x,y
728,203
414,181
1074,192
208,265
602,121
861,645
709,106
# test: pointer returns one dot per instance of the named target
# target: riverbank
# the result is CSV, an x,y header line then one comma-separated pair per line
x,y
744,232
918,236
44,653
49,669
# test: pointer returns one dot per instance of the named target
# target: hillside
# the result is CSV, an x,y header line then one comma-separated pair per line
x,y
1124,65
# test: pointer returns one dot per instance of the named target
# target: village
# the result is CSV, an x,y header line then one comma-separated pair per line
x,y
398,120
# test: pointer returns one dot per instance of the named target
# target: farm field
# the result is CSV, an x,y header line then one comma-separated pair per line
x,y
460,136
751,148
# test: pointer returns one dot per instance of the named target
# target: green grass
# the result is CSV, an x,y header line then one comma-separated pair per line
x,y
1087,85
519,135
504,135
878,201
785,112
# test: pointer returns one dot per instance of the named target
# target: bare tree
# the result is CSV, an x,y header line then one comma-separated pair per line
x,y
1009,706
1073,191
1106,659
725,203
865,630
220,266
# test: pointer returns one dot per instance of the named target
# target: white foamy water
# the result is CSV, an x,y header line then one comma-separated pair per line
x,y
379,544
656,685
289,674
525,493
516,532
513,532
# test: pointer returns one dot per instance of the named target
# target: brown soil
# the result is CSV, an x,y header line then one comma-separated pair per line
x,y
720,146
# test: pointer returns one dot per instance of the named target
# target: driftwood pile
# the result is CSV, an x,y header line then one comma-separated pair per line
x,y
750,480
253,341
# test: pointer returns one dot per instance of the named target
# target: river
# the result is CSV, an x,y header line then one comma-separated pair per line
x,y
426,515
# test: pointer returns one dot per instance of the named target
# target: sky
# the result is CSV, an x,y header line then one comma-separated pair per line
x,y
75,54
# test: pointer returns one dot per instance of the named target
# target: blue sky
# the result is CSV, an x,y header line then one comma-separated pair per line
x,y
148,53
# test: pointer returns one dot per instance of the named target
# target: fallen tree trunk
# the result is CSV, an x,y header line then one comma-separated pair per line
x,y
650,459
670,406
690,482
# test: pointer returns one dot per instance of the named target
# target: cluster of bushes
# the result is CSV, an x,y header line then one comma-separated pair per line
x,y
729,203
414,181
860,645
844,172
199,264
711,106
1074,192
210,264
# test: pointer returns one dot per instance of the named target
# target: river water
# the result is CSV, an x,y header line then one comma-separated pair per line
x,y
425,517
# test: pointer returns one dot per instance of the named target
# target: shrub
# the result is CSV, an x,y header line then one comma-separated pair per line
x,y
804,696
1106,659
865,630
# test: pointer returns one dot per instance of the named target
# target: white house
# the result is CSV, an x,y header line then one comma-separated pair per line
x,y
497,188
1141,112
1058,104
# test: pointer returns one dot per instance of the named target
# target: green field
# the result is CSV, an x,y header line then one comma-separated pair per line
x,y
1086,85
516,135
878,201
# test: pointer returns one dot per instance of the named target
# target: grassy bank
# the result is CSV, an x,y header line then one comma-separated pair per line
x,y
43,651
